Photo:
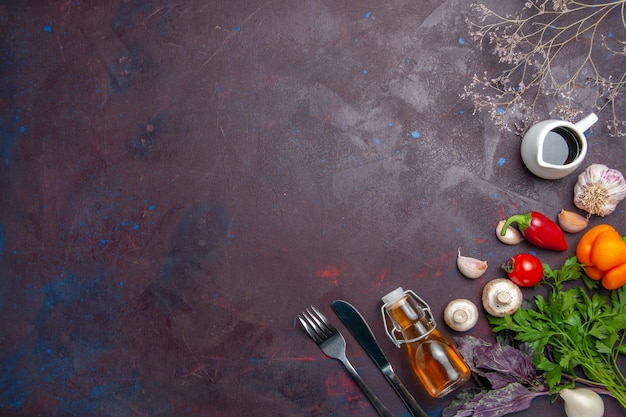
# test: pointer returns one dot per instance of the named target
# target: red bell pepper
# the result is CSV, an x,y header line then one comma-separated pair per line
x,y
538,230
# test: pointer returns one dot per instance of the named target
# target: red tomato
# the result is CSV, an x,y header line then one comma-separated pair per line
x,y
524,269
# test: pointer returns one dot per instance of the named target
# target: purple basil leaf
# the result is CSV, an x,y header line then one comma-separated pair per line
x,y
466,346
497,380
491,403
509,399
464,403
502,365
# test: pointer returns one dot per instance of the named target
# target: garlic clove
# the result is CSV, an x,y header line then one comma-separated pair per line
x,y
582,402
511,237
470,267
599,189
572,222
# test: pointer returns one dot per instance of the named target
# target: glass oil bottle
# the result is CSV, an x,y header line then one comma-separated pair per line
x,y
434,358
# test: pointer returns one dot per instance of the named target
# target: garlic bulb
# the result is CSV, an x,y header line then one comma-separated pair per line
x,y
470,267
599,189
582,402
572,222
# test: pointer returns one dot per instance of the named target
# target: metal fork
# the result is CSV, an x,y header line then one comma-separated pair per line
x,y
332,343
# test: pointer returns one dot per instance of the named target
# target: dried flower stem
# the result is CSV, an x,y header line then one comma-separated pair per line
x,y
536,45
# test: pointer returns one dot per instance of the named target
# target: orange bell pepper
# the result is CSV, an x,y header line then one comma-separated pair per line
x,y
602,251
615,277
583,250
609,250
594,273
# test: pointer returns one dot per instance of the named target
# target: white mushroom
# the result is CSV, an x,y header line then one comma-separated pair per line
x,y
502,297
460,314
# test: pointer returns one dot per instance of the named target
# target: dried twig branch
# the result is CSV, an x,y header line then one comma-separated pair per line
x,y
541,48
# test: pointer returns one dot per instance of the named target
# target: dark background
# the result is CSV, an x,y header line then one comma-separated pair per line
x,y
180,179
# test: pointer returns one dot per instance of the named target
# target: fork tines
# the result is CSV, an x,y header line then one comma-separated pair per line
x,y
316,325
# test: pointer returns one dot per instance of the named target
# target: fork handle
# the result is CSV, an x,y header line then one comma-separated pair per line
x,y
383,411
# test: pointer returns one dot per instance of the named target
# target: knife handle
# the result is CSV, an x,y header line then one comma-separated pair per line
x,y
404,394
378,405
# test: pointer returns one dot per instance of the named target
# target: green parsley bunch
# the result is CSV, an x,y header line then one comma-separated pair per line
x,y
574,335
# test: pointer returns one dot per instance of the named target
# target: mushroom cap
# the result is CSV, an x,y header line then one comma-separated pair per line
x,y
502,297
460,314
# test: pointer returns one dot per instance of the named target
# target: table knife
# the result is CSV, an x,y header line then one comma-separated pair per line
x,y
356,324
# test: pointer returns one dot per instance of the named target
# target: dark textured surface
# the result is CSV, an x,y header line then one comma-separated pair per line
x,y
180,179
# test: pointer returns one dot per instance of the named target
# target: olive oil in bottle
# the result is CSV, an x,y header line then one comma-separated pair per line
x,y
434,358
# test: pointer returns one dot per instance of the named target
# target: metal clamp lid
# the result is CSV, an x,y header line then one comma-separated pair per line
x,y
427,314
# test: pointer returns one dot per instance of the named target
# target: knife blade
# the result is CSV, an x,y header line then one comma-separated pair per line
x,y
358,327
